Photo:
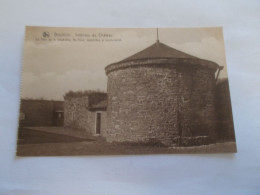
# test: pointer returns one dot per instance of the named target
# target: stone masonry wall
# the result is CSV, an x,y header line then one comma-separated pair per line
x,y
224,111
78,117
160,102
103,122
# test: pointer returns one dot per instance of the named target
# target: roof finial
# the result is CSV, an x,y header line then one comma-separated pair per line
x,y
157,35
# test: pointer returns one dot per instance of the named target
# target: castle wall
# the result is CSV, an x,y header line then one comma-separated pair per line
x,y
161,102
224,112
39,112
103,122
78,117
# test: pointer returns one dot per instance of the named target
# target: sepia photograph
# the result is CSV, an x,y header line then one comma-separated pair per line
x,y
124,91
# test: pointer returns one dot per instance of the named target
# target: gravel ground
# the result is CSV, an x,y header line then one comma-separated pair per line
x,y
44,141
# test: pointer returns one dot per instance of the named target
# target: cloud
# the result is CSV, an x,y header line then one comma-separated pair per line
x,y
52,68
208,48
54,86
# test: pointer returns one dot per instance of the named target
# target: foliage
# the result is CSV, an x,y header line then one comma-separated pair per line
x,y
75,94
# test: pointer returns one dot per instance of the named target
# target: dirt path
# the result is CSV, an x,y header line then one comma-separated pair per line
x,y
104,148
61,131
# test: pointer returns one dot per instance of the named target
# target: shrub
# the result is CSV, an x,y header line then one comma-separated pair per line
x,y
75,94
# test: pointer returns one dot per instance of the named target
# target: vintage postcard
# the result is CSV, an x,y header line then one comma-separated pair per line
x,y
124,91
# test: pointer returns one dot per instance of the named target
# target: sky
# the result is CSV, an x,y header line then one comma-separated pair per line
x,y
57,60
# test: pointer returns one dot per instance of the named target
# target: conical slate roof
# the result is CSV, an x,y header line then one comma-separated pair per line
x,y
158,50
160,54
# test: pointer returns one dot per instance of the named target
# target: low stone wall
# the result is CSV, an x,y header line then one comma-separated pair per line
x,y
176,142
196,141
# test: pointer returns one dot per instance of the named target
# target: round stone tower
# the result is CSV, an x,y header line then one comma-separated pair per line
x,y
161,94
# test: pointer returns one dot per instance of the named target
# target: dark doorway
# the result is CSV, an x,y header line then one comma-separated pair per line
x,y
98,123
58,118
